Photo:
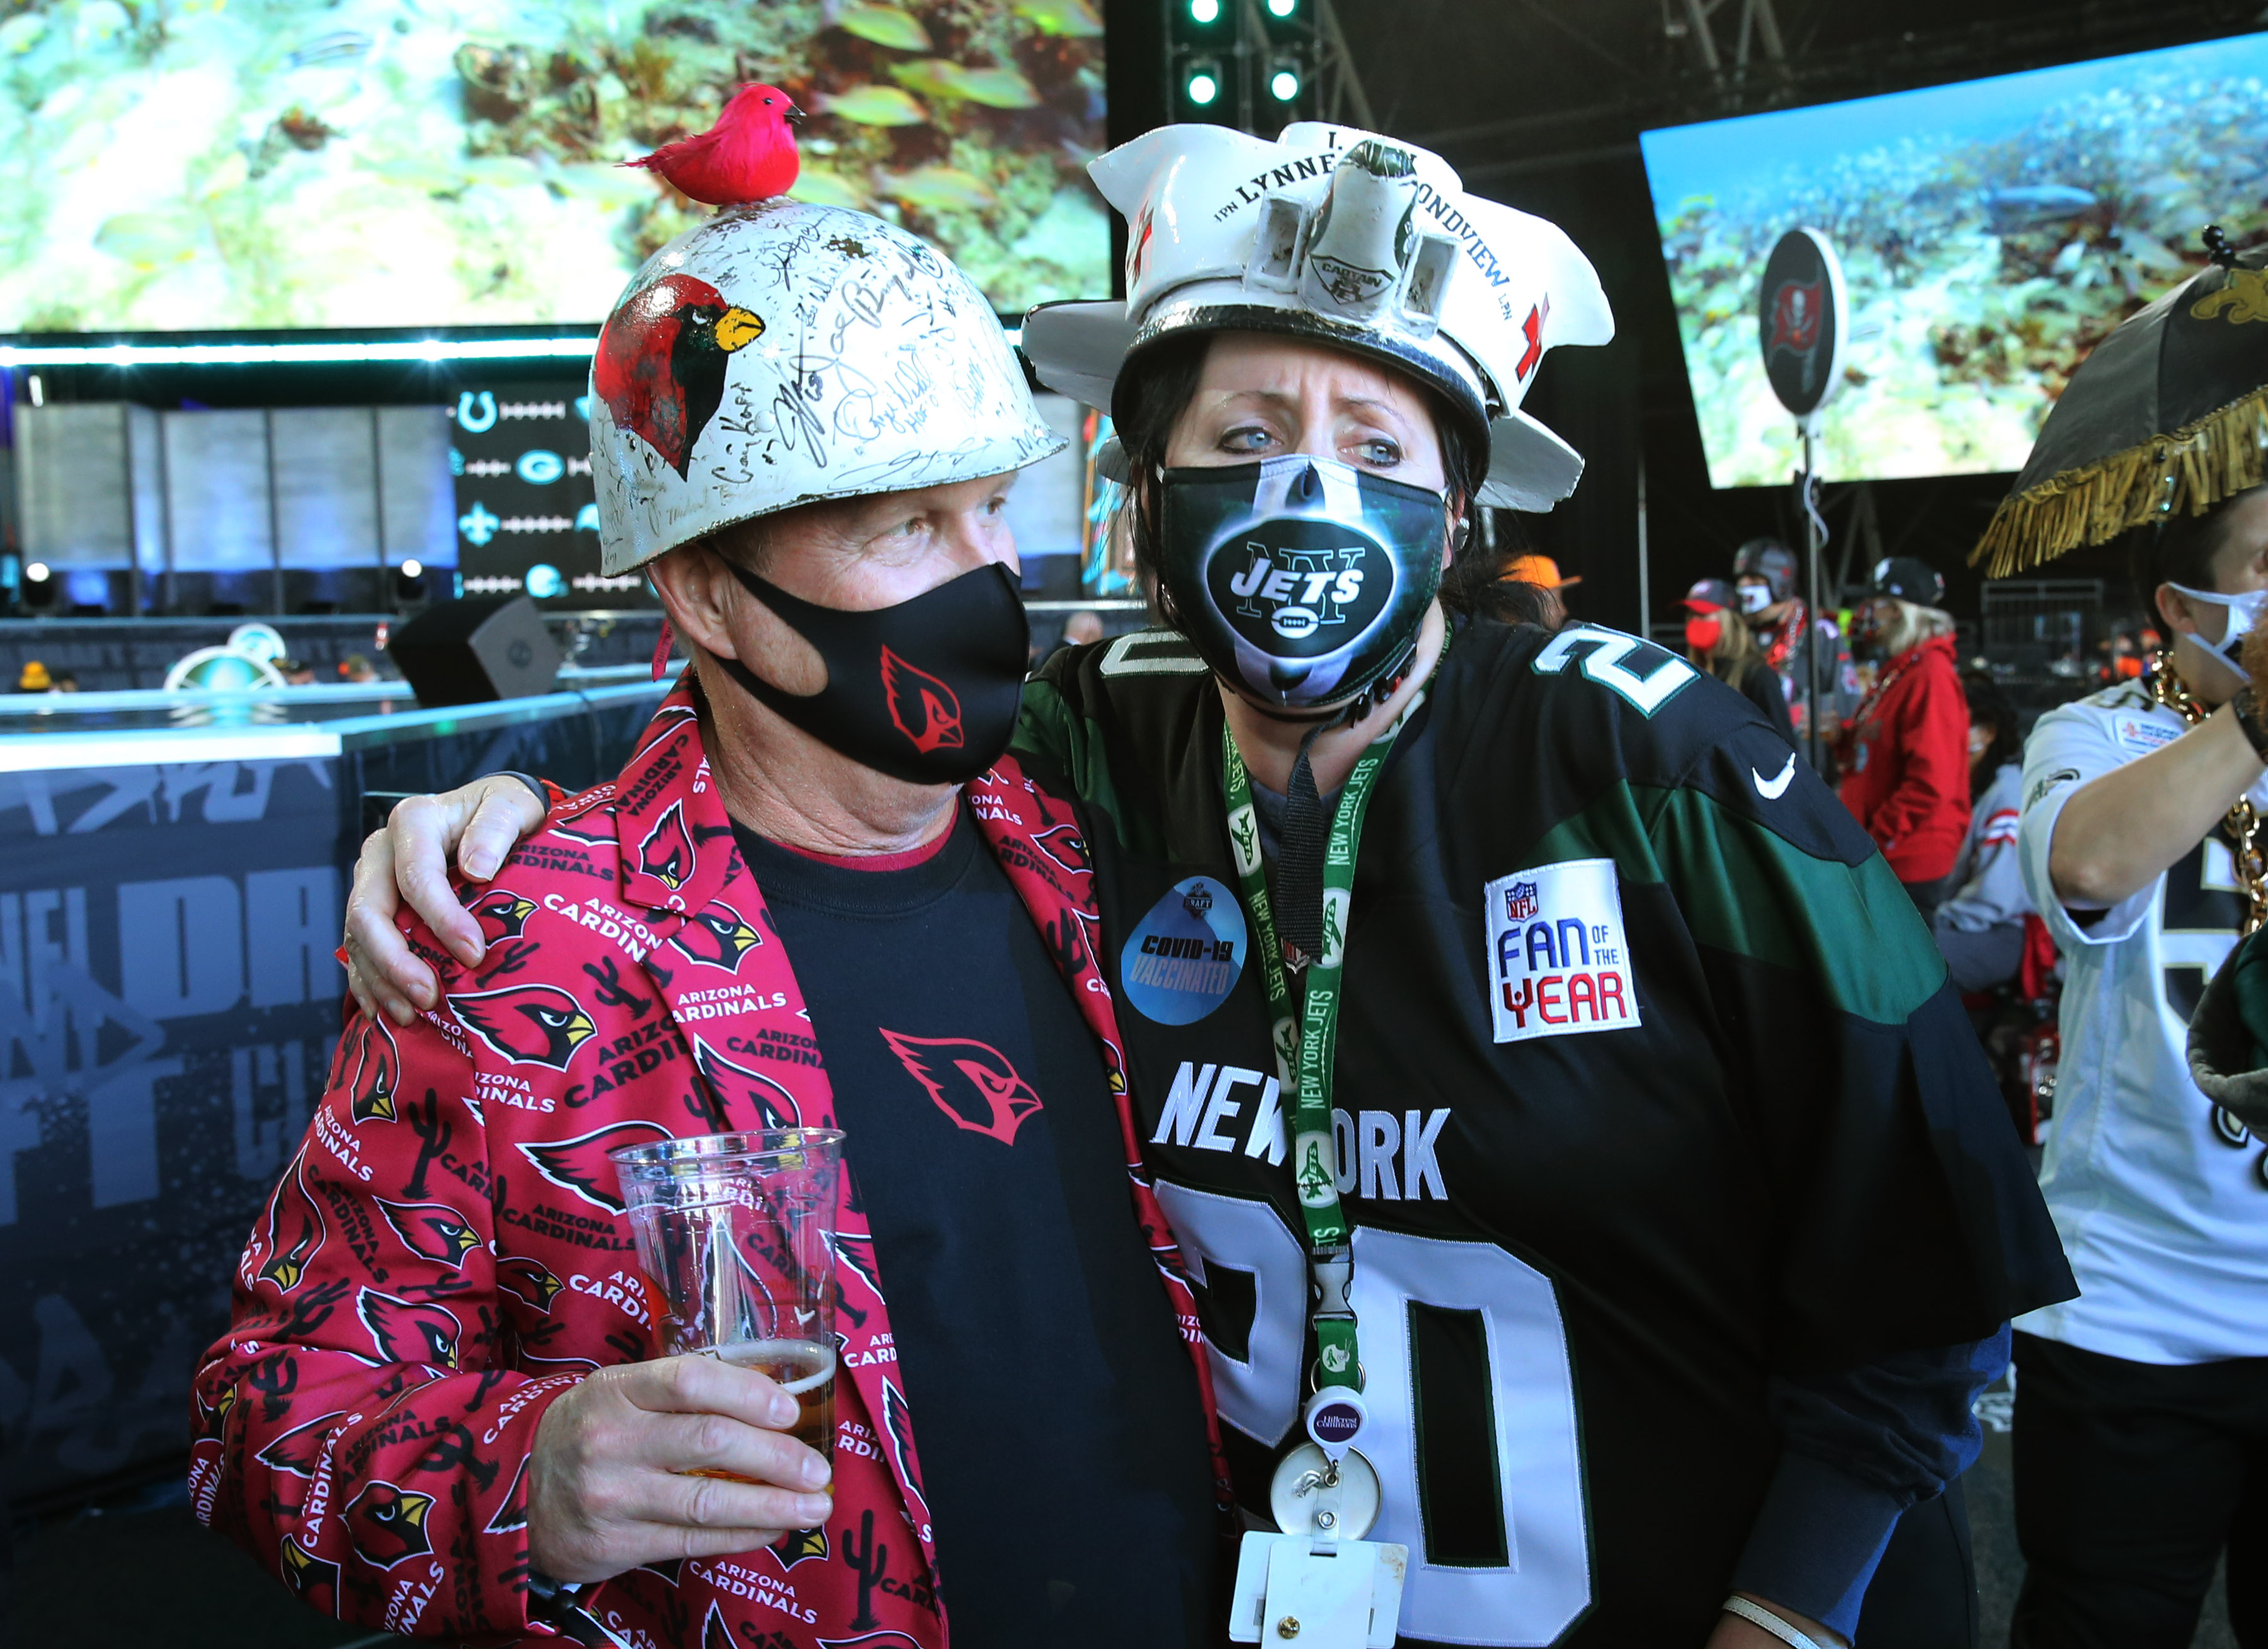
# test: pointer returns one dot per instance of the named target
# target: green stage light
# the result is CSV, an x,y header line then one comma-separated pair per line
x,y
1283,82
1204,10
1282,8
1203,84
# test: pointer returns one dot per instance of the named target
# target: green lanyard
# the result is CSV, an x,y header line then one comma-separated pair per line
x,y
1304,1048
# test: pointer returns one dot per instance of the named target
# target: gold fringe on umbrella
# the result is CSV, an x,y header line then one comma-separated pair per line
x,y
2223,454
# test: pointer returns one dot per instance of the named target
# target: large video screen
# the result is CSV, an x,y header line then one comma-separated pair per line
x,y
1991,233
192,164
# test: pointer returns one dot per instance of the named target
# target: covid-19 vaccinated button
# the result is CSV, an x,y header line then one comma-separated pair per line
x,y
1187,954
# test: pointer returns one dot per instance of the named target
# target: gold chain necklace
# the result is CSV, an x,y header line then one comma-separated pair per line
x,y
2242,824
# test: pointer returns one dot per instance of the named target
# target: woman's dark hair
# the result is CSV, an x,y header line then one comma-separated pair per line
x,y
1990,707
1153,393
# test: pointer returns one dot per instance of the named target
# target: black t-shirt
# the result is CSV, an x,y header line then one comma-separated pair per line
x,y
1062,1436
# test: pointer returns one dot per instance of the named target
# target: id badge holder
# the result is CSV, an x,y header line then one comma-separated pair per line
x,y
1319,1582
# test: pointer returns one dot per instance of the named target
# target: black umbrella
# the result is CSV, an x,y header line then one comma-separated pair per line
x,y
2170,412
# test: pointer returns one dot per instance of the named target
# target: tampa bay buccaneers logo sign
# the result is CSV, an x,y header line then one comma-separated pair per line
x,y
529,1024
922,707
972,1082
660,363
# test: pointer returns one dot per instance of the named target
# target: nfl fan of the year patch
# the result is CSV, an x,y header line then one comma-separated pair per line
x,y
1306,582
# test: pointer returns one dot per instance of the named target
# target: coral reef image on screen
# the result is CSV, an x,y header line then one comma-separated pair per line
x,y
175,165
1991,233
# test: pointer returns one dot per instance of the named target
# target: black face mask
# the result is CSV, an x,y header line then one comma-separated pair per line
x,y
927,691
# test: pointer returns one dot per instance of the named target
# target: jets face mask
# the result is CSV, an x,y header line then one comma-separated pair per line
x,y
2244,615
1302,580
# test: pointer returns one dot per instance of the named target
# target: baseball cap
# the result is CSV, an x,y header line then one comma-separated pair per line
x,y
1537,570
1908,579
1710,595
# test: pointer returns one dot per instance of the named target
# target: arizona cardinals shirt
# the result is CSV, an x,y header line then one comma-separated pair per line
x,y
984,1150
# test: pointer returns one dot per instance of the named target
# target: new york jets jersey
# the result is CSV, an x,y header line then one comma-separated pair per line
x,y
1648,1086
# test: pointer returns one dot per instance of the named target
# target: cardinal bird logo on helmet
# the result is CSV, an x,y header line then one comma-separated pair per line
x,y
387,1523
972,1083
718,936
410,1333
502,913
529,1024
432,1229
580,1165
922,707
660,363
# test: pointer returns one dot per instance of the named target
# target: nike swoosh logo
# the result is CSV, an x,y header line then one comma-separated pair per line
x,y
1772,790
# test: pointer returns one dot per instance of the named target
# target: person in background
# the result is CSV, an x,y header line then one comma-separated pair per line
x,y
1906,753
1542,573
63,682
1080,628
1980,927
1763,576
1720,642
357,667
296,672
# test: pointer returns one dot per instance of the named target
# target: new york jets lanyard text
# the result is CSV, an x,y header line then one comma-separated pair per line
x,y
1304,1045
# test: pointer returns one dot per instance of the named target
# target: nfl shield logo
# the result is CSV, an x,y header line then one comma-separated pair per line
x,y
1519,901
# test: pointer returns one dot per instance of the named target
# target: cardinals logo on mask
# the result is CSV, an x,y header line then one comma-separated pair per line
x,y
529,1024
580,1165
971,1082
387,1524
922,707
659,366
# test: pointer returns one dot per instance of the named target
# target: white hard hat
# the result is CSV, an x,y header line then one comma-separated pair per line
x,y
783,353
1347,238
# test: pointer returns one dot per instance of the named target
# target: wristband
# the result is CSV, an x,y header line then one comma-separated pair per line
x,y
1771,1623
542,796
2248,718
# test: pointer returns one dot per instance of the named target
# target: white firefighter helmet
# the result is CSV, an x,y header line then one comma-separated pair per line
x,y
783,353
1347,238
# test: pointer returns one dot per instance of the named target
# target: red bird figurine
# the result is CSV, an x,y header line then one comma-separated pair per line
x,y
749,155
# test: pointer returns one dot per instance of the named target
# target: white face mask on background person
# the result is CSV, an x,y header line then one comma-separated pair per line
x,y
1755,598
2244,611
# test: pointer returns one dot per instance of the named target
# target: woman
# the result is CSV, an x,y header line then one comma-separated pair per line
x,y
1905,753
1719,641
1980,927
1599,1107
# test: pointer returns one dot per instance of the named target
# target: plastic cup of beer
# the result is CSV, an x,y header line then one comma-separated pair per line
x,y
736,1232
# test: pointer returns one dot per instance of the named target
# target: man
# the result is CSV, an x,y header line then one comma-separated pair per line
x,y
438,1407
1764,573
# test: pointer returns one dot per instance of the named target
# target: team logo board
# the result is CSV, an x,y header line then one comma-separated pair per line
x,y
1558,957
1186,955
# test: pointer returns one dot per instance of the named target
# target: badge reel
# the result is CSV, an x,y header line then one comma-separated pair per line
x,y
1318,1581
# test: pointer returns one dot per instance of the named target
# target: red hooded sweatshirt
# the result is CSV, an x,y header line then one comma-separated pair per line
x,y
1906,777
